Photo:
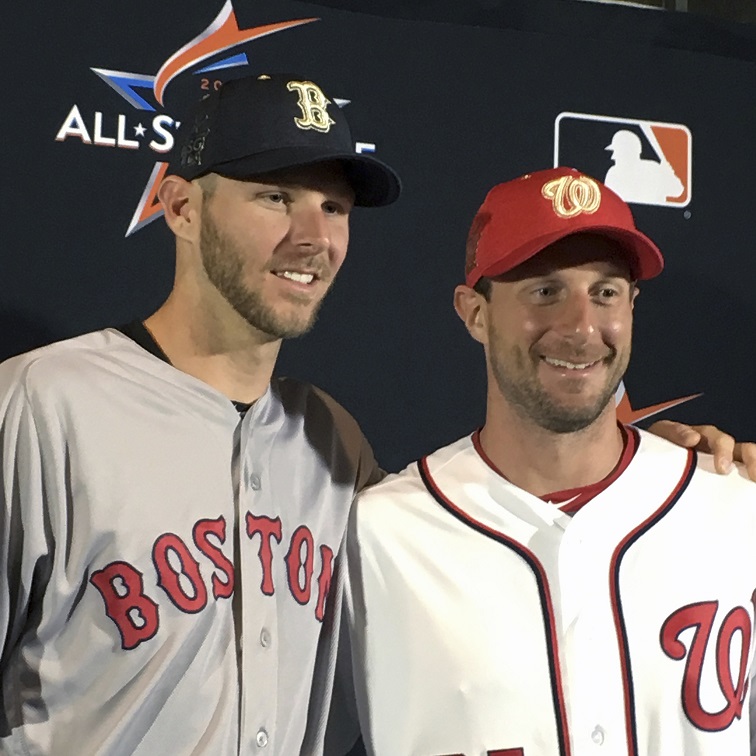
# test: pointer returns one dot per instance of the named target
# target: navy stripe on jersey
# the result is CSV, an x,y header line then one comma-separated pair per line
x,y
543,590
619,619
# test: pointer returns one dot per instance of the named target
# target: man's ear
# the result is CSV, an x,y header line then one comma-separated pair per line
x,y
472,309
181,201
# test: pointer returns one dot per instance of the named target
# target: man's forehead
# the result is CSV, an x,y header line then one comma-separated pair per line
x,y
608,255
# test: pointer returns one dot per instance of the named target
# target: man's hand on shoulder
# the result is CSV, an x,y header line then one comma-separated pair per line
x,y
709,439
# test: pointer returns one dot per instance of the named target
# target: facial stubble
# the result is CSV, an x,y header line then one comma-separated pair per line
x,y
522,389
223,261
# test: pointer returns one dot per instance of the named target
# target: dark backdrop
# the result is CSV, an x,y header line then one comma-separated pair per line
x,y
457,97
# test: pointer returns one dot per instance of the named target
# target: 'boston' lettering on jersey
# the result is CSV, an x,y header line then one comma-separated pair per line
x,y
137,616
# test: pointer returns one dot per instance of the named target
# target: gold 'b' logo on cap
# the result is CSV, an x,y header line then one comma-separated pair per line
x,y
313,104
572,195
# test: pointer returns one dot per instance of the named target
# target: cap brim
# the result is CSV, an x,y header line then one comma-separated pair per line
x,y
374,183
645,258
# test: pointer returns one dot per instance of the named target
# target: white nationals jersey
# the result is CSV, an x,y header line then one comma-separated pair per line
x,y
164,563
487,622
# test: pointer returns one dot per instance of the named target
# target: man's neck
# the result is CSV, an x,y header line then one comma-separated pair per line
x,y
543,462
233,359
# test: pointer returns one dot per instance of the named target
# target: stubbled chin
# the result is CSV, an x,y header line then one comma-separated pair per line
x,y
585,385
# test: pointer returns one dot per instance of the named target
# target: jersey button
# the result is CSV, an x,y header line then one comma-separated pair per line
x,y
597,736
262,738
265,638
254,482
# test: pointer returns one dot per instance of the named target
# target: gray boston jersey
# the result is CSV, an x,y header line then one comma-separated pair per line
x,y
164,563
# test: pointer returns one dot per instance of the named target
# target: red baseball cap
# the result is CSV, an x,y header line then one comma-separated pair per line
x,y
521,217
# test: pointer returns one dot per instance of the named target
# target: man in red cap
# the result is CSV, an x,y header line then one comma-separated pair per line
x,y
556,582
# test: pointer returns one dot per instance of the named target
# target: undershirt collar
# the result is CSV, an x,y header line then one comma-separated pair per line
x,y
572,499
138,332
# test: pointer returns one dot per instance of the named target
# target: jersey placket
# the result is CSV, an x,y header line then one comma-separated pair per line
x,y
258,558
590,658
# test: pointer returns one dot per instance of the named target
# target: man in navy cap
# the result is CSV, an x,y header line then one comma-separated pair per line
x,y
171,513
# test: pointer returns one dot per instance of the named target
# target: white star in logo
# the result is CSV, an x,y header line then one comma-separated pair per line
x,y
139,129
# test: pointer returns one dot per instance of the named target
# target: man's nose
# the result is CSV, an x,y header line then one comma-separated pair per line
x,y
310,229
577,317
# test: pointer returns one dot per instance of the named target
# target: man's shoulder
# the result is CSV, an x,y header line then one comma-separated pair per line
x,y
54,360
398,484
735,482
326,427
318,409
300,395
81,370
413,479
698,469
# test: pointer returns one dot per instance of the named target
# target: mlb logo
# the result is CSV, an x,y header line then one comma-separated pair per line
x,y
645,162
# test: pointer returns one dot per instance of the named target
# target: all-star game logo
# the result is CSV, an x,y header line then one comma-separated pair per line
x,y
145,94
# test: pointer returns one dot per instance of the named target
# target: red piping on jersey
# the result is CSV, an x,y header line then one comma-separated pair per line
x,y
619,622
543,588
581,495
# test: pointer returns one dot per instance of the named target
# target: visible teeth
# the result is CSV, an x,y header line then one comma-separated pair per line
x,y
569,365
304,278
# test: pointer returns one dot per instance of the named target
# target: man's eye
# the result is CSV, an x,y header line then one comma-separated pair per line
x,y
332,208
276,197
544,292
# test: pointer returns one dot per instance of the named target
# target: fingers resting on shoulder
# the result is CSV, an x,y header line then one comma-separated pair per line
x,y
710,439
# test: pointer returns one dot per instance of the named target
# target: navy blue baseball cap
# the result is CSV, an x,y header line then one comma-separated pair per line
x,y
255,125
